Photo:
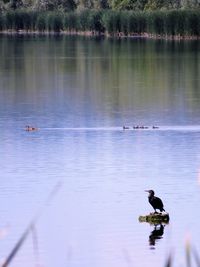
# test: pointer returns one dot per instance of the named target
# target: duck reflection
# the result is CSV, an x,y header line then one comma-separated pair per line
x,y
156,234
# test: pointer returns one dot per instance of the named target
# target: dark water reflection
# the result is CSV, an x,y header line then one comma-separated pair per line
x,y
80,92
156,234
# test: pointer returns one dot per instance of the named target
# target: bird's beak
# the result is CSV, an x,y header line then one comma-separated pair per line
x,y
146,191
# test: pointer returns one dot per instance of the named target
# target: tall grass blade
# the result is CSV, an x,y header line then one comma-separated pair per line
x,y
196,256
31,225
169,261
16,248
35,244
188,254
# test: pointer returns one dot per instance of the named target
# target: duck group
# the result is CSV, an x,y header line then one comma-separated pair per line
x,y
139,127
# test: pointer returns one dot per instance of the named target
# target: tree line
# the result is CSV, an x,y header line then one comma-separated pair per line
x,y
181,23
72,5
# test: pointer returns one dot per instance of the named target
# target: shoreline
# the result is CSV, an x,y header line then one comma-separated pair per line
x,y
167,25
118,35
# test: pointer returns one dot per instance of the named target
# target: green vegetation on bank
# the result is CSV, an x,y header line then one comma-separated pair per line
x,y
72,5
166,18
126,23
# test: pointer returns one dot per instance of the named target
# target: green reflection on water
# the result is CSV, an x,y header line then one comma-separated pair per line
x,y
128,76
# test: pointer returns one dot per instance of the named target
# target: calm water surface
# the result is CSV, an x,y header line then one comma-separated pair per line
x,y
80,92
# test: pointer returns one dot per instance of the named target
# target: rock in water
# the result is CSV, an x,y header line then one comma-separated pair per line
x,y
155,218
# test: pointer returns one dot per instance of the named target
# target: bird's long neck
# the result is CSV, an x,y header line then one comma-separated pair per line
x,y
151,196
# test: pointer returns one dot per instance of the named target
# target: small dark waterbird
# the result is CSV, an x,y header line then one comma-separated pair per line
x,y
155,202
30,128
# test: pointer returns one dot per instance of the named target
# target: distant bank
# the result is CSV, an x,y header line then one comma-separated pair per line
x,y
175,24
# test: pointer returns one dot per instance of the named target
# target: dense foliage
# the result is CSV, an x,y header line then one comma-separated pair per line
x,y
126,23
116,17
71,5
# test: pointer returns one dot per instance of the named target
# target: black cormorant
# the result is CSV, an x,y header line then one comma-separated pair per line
x,y
155,202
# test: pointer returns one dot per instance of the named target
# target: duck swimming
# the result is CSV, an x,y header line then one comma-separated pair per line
x,y
30,128
126,128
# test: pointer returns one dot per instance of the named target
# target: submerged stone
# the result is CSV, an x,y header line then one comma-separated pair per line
x,y
155,218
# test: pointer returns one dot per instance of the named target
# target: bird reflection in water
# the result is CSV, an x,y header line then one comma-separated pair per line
x,y
156,234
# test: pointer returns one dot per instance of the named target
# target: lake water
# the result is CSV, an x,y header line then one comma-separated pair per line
x,y
79,92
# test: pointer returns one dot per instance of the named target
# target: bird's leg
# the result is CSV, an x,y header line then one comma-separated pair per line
x,y
155,212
